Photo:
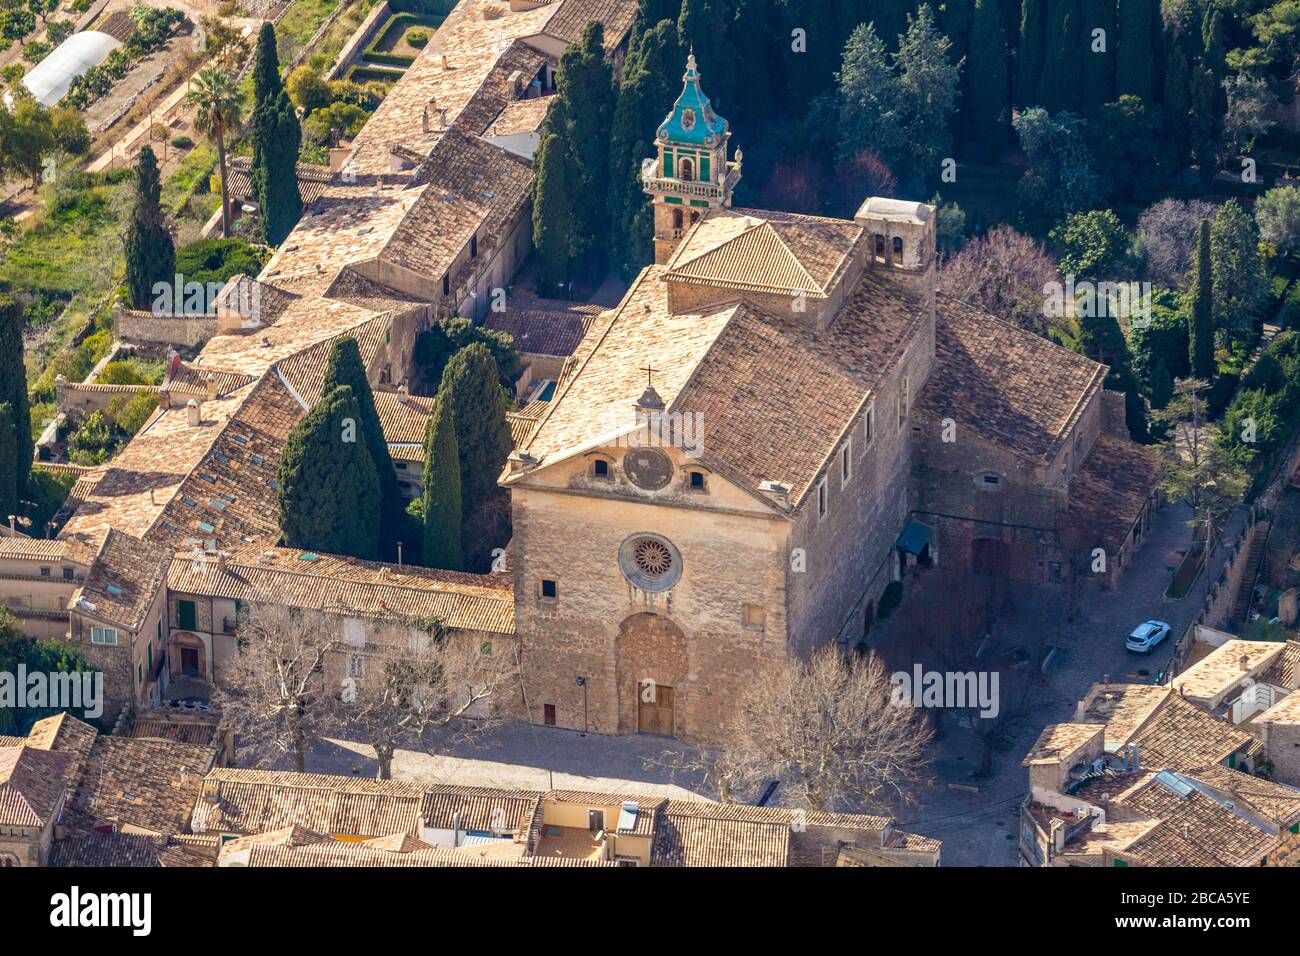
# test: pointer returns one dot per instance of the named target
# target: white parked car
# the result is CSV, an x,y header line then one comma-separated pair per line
x,y
1146,636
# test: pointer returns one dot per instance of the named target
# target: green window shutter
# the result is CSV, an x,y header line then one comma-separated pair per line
x,y
1120,863
1232,760
668,162
185,610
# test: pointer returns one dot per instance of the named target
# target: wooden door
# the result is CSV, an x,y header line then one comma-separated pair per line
x,y
656,716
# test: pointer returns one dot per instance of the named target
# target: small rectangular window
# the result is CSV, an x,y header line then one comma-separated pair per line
x,y
902,401
868,425
821,498
67,574
45,572
103,635
755,615
846,463
600,468
697,481
550,590
356,666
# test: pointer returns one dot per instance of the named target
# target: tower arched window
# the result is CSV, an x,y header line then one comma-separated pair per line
x,y
677,223
880,248
898,251
686,170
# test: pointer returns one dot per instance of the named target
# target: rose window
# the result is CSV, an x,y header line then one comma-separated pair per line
x,y
650,562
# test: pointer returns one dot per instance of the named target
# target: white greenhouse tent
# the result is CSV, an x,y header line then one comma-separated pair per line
x,y
50,79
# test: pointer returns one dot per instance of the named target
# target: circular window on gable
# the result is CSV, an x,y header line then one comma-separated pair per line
x,y
650,561
649,468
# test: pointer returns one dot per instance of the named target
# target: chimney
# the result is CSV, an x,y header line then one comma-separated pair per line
x,y
1243,663
211,381
164,398
194,413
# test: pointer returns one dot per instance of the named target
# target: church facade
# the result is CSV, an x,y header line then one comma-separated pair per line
x,y
731,471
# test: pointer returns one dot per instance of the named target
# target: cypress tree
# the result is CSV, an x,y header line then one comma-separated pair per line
x,y
645,96
1098,66
582,118
329,489
13,390
1200,330
1162,385
9,497
1102,340
441,496
344,367
989,106
276,138
1033,41
469,383
1059,87
1203,125
1135,67
150,253
555,229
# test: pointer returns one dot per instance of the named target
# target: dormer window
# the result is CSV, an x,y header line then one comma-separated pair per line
x,y
600,469
695,481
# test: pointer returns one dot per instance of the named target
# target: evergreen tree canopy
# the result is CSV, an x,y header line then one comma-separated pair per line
x,y
482,433
9,499
13,391
441,499
988,107
344,367
329,488
266,65
1200,330
703,29
150,252
555,228
1138,51
276,139
1240,275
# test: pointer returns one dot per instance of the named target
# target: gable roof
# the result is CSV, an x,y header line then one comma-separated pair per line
x,y
32,785
123,581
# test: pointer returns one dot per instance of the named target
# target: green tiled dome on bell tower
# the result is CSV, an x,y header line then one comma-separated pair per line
x,y
691,173
692,121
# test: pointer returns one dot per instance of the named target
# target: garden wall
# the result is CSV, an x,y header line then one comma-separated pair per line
x,y
145,328
357,42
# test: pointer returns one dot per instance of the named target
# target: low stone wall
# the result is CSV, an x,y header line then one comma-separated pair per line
x,y
83,398
145,328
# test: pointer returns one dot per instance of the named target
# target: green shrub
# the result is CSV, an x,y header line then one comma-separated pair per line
x,y
130,412
92,442
216,260
416,38
120,373
182,141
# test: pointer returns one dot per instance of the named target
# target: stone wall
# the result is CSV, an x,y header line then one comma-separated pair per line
x,y
145,328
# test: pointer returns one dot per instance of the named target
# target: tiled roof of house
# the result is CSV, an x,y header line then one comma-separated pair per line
x,y
201,732
347,585
1008,386
541,332
1276,801
479,808
707,834
335,854
65,734
253,801
146,784
19,547
1194,830
1180,736
1285,711
122,581
1057,741
520,116
312,179
1110,489
97,849
32,785
573,15
1210,678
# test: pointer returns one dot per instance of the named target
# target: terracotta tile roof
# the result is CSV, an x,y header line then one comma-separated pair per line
x,y
1008,386
95,849
646,806
312,179
520,116
541,332
403,418
1109,491
1194,830
1181,736
470,188
191,379
766,251
1210,678
146,784
337,854
774,395
1284,671
7,741
22,548
519,63
1278,802
351,586
479,808
123,581
32,785
1123,708
254,801
65,734
614,15
702,834
352,287
1057,742
201,732
1285,711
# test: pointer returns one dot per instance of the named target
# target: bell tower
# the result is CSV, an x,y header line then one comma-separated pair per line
x,y
691,174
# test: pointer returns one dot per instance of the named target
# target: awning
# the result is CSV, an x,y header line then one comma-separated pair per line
x,y
915,537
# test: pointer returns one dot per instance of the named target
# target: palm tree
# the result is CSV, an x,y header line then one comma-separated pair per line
x,y
216,101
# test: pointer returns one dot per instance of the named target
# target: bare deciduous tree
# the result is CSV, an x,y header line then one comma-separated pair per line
x,y
1005,273
270,690
831,728
1168,230
436,680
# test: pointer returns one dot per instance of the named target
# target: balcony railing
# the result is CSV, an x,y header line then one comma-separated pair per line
x,y
691,188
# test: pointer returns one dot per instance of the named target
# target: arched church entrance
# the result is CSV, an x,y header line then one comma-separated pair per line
x,y
651,668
